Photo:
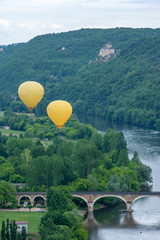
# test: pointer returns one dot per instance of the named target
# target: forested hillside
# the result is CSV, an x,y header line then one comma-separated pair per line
x,y
124,88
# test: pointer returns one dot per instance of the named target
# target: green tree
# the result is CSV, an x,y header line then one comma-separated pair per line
x,y
37,150
144,173
7,230
113,141
26,155
7,170
65,149
16,178
123,159
11,144
17,106
82,184
23,233
3,231
19,236
97,140
45,170
86,157
47,226
67,172
94,182
30,131
56,200
135,158
7,193
114,185
61,222
3,152
13,230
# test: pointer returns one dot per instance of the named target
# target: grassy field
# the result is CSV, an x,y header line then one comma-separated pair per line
x,y
7,132
32,217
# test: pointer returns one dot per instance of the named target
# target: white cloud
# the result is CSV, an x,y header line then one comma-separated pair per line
x,y
30,25
56,26
38,27
5,22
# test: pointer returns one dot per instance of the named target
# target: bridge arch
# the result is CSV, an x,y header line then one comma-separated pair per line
x,y
84,199
26,197
40,197
144,196
105,196
81,197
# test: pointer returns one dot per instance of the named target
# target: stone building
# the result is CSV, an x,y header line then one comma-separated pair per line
x,y
106,52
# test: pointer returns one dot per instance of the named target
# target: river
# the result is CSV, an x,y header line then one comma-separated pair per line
x,y
144,222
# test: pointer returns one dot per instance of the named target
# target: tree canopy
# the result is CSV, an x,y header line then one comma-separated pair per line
x,y
83,160
123,89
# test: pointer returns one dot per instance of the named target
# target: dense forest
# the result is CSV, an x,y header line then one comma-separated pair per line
x,y
124,88
76,159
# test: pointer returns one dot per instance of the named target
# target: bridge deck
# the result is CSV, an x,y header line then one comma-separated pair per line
x,y
114,193
31,193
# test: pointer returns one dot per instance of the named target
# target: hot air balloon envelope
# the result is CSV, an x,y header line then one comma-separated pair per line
x,y
59,112
31,93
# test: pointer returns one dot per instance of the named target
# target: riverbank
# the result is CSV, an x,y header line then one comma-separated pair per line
x,y
23,209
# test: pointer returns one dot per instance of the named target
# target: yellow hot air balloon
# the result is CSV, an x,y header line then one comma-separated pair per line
x,y
31,93
59,112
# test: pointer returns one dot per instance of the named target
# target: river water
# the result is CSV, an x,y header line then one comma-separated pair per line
x,y
144,223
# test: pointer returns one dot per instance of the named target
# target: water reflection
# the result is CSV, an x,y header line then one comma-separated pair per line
x,y
100,123
115,223
146,213
124,219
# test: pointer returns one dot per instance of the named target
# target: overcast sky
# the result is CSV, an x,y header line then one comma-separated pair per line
x,y
22,20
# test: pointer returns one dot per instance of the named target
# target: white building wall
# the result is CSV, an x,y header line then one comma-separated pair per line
x,y
20,225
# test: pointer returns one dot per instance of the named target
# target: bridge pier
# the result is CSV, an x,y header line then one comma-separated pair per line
x,y
32,201
90,206
90,221
129,206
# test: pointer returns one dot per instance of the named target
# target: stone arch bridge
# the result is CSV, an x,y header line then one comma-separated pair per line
x,y
31,196
91,197
127,197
